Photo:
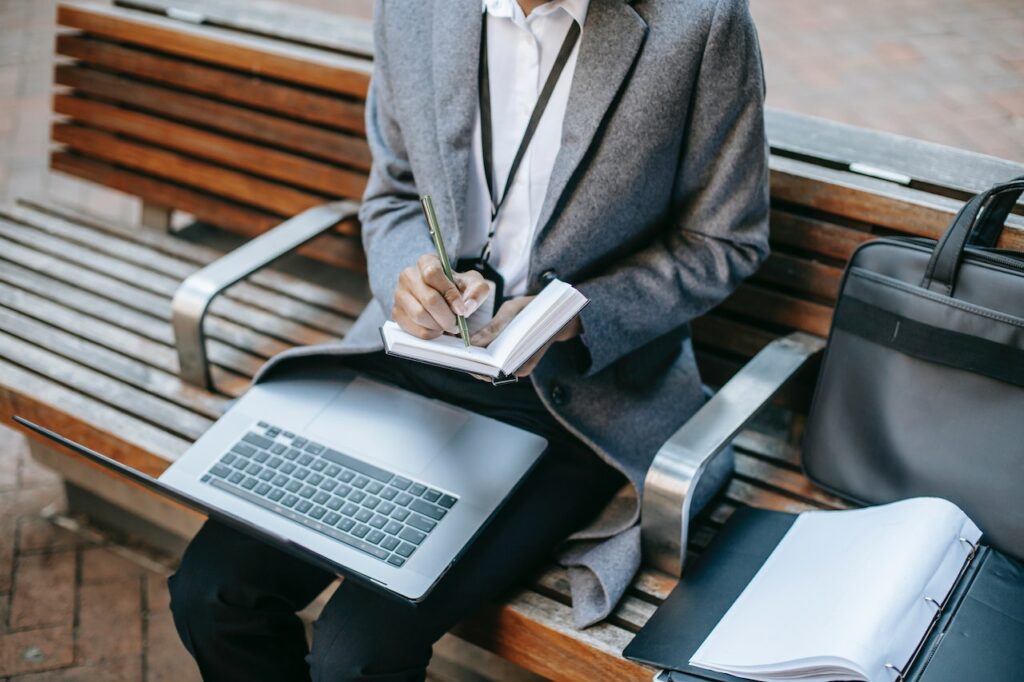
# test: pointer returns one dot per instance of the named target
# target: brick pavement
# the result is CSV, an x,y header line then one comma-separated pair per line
x,y
72,608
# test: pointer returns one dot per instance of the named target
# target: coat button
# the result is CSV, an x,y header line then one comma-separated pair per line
x,y
548,277
559,395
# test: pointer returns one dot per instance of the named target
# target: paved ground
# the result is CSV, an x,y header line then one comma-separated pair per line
x,y
73,608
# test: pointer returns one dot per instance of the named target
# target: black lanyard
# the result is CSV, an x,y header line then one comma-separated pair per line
x,y
538,111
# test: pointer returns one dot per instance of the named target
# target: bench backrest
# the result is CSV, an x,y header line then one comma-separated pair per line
x,y
246,118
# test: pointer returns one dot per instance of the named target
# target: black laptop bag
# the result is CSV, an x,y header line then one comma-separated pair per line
x,y
921,390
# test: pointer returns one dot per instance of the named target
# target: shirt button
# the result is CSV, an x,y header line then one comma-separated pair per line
x,y
548,277
559,395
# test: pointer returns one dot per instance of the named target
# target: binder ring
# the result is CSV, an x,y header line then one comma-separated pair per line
x,y
973,546
938,606
899,673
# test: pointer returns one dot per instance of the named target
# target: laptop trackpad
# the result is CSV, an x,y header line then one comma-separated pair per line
x,y
387,426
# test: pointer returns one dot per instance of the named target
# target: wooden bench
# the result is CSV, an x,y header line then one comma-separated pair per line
x,y
86,341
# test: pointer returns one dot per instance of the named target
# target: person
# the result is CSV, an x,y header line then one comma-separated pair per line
x,y
644,185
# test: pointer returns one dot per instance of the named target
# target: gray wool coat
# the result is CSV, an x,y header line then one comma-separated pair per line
x,y
657,208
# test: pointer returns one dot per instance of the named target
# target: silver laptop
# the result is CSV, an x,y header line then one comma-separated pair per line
x,y
365,479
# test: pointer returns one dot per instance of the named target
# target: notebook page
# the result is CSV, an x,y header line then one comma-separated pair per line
x,y
447,350
529,318
843,589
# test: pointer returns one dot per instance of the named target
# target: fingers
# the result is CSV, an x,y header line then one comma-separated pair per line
x,y
421,306
474,288
432,276
505,313
409,325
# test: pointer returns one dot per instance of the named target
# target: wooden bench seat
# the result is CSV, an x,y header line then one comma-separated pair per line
x,y
242,122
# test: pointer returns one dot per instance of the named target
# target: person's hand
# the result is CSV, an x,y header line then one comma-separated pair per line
x,y
505,313
426,303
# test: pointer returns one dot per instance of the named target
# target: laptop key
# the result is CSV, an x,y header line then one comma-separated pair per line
x,y
314,479
360,482
279,480
288,468
276,494
393,527
220,470
374,487
385,508
400,514
374,537
412,535
293,486
261,457
403,499
417,489
318,465
431,495
447,501
432,510
346,476
301,473
278,448
421,522
299,442
228,458
357,496
364,515
243,449
331,518
236,477
396,560
240,463
249,483
378,521
253,469
291,454
329,485
303,506
346,524
371,502
315,448
361,530
405,549
267,474
389,542
389,493
343,490
257,440
349,509
317,512
275,462
332,470
335,503
401,483
307,492
289,500
262,489
321,497
305,459
357,465
273,432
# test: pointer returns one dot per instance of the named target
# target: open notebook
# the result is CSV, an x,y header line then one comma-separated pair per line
x,y
535,324
846,595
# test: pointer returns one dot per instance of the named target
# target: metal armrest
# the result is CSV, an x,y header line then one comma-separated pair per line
x,y
676,472
194,295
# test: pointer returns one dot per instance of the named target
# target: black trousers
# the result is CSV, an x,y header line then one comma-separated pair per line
x,y
234,598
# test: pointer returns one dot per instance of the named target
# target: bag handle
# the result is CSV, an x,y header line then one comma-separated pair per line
x,y
979,223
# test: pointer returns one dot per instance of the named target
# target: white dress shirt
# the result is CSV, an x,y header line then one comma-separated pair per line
x,y
521,51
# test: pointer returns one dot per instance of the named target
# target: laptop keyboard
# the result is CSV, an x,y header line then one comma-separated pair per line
x,y
364,506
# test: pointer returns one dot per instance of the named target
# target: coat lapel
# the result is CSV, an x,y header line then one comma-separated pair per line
x,y
612,37
455,56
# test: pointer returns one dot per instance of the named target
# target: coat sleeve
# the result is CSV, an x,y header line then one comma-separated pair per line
x,y
719,233
393,228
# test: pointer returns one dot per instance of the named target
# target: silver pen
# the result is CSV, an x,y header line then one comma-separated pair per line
x,y
435,234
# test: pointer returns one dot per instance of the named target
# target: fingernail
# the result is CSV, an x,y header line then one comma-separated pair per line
x,y
458,307
470,306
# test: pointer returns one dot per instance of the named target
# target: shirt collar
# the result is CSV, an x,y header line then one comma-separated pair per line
x,y
509,9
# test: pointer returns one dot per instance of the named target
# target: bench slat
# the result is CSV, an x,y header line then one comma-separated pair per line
x,y
240,121
347,296
259,160
283,100
334,250
177,270
231,365
264,57
818,236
